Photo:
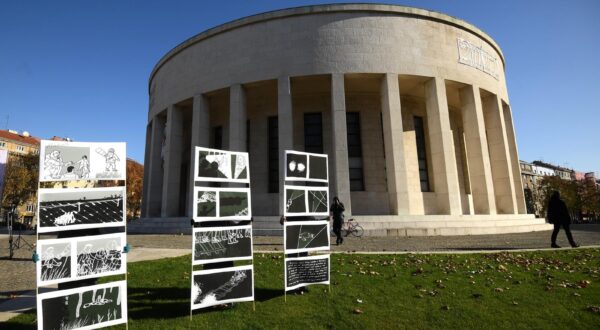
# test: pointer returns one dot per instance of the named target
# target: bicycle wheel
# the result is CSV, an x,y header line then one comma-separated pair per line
x,y
358,231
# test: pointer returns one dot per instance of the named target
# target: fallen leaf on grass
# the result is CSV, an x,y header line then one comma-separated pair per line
x,y
584,283
595,309
359,301
499,290
358,311
446,307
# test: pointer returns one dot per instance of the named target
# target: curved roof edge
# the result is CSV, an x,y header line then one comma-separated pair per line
x,y
327,8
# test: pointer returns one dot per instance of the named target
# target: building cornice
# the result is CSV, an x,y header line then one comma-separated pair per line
x,y
327,8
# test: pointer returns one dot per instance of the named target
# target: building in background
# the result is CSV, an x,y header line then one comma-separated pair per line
x,y
410,105
14,144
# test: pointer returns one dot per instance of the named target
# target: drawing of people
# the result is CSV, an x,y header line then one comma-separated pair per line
x,y
70,175
53,164
111,160
49,260
83,167
86,262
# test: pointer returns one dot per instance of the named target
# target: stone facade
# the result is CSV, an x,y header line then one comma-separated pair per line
x,y
412,107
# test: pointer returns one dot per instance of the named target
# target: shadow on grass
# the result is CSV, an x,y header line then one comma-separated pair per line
x,y
158,303
262,294
163,303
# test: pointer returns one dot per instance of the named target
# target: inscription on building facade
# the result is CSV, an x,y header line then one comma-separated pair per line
x,y
474,56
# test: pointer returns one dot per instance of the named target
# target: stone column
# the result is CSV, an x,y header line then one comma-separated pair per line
x,y
500,159
478,158
155,170
237,118
200,137
285,129
393,136
514,157
340,142
172,163
441,143
145,187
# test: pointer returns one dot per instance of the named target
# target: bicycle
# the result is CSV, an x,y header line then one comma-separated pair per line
x,y
352,227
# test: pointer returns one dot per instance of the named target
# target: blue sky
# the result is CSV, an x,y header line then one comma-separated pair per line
x,y
80,68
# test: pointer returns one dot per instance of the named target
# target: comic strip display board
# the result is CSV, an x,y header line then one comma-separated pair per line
x,y
220,286
68,161
303,271
306,201
80,208
218,244
306,236
305,166
222,204
70,259
214,165
67,211
87,307
301,202
221,243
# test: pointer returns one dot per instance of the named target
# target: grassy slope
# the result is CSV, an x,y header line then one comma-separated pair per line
x,y
509,290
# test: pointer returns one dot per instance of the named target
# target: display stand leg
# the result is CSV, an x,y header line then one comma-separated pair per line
x,y
192,281
254,306
284,295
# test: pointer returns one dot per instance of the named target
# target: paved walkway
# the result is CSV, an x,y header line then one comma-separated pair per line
x,y
18,274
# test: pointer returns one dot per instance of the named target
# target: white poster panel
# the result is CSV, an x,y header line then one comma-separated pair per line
x,y
306,166
215,165
88,307
304,271
71,161
221,286
78,258
305,201
305,236
80,208
216,204
218,244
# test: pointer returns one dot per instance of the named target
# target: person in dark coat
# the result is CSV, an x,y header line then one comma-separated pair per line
x,y
558,214
337,210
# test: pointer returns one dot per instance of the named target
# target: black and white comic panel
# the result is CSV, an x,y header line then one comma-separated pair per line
x,y
66,161
69,259
306,201
220,286
305,236
304,166
305,271
217,244
80,208
216,165
87,307
213,204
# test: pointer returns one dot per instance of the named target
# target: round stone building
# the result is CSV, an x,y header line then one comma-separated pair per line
x,y
410,105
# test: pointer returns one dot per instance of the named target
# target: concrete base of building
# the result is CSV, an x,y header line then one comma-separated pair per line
x,y
385,225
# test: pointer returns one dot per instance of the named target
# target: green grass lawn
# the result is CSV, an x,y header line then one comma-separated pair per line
x,y
550,289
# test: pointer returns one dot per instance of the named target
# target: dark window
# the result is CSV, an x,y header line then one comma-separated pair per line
x,y
421,153
313,133
355,164
273,136
218,137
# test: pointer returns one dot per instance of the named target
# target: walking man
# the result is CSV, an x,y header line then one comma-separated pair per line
x,y
558,214
337,210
